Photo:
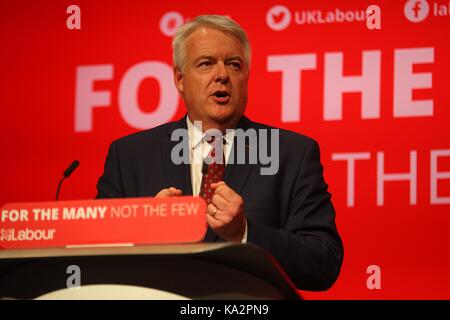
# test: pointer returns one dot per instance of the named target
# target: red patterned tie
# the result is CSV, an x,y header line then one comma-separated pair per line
x,y
213,174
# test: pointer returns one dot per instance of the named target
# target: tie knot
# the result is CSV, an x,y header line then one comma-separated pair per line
x,y
211,139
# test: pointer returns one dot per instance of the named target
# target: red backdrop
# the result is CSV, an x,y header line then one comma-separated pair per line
x,y
380,96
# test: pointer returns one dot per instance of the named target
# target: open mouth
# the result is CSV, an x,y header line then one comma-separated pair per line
x,y
221,96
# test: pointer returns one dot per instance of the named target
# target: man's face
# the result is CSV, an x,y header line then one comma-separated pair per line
x,y
214,80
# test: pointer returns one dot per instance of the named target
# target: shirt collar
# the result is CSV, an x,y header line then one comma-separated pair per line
x,y
196,135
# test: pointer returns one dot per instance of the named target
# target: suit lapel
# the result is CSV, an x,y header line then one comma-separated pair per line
x,y
236,174
178,175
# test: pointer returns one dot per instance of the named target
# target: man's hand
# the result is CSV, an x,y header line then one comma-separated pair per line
x,y
169,192
225,213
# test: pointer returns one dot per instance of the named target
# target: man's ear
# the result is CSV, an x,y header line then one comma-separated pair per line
x,y
178,78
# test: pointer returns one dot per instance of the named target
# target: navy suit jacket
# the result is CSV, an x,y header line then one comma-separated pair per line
x,y
289,214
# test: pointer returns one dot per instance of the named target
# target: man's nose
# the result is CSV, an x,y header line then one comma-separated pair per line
x,y
221,73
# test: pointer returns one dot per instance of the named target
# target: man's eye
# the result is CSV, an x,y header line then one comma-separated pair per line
x,y
204,64
235,65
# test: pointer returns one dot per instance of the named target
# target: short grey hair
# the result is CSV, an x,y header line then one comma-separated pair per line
x,y
221,23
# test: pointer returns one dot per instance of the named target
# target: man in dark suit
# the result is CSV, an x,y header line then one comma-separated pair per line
x,y
287,212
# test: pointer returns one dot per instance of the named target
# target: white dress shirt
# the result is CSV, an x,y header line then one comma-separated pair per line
x,y
199,150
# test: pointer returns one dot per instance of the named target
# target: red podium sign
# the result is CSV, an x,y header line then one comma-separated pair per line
x,y
102,222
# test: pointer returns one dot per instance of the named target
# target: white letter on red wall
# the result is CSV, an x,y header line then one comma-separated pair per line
x,y
85,96
335,84
291,67
350,157
411,176
438,175
405,81
129,89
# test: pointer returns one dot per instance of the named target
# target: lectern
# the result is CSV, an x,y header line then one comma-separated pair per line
x,y
190,271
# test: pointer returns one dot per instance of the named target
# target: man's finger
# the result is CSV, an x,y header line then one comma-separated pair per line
x,y
175,192
169,192
213,223
219,201
222,189
218,183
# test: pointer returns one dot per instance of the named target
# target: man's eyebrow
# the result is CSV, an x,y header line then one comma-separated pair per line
x,y
233,58
207,57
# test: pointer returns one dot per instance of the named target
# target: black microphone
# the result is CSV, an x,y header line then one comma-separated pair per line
x,y
66,174
71,168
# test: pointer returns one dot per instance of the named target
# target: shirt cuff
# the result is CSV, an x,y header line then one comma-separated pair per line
x,y
244,238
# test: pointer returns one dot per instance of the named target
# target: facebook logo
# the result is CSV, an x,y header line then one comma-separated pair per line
x,y
416,10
